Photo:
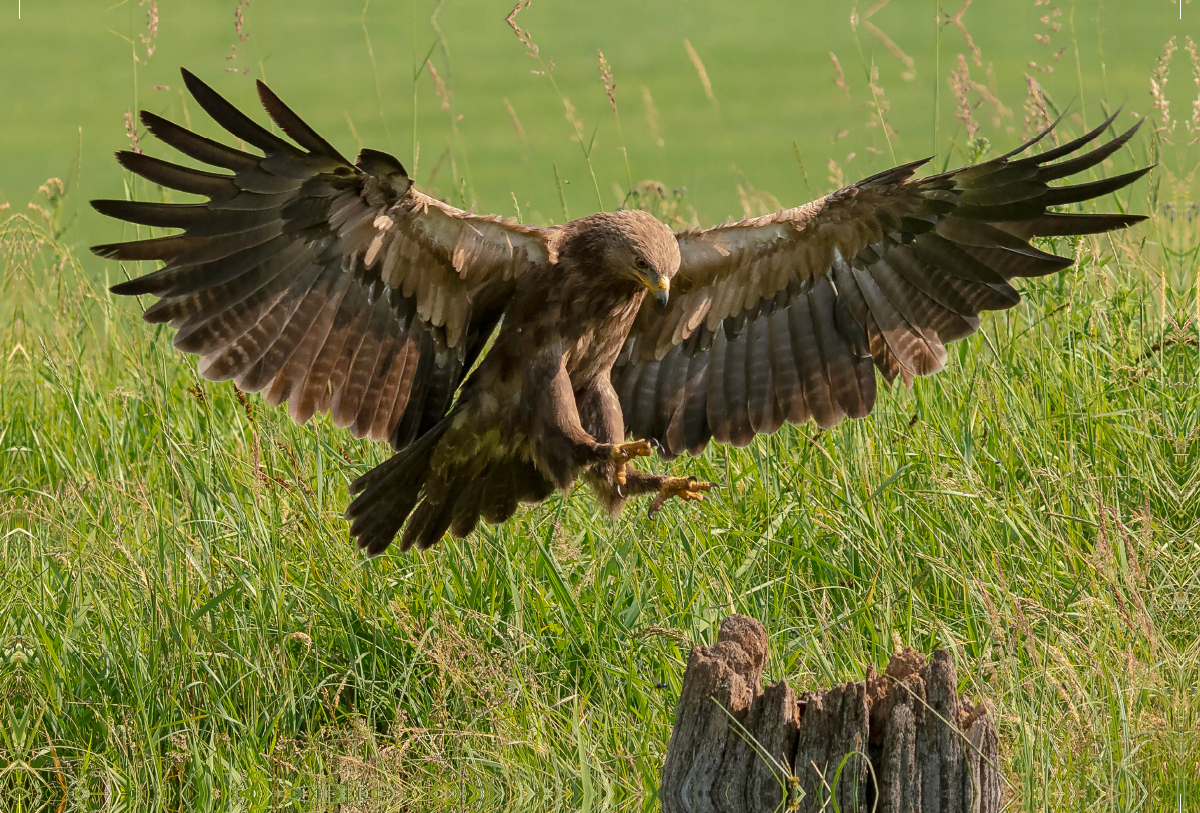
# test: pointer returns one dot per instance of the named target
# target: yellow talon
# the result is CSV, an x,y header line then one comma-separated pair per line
x,y
625,452
685,488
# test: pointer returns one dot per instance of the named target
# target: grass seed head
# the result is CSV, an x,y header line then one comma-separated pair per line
x,y
438,85
151,29
1193,124
131,132
960,84
524,36
1158,89
839,76
606,76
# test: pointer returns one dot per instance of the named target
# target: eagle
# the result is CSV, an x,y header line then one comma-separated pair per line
x,y
503,361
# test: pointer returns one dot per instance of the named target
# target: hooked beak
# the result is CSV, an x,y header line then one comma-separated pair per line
x,y
661,288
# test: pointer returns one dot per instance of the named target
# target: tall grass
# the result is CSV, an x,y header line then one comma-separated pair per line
x,y
184,623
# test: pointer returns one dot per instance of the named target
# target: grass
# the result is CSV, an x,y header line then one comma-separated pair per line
x,y
184,624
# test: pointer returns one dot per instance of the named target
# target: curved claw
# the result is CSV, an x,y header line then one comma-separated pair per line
x,y
623,453
687,489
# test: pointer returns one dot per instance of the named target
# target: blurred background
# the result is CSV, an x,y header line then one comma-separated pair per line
x,y
723,100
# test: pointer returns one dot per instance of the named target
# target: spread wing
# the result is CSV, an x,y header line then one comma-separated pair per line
x,y
783,317
330,285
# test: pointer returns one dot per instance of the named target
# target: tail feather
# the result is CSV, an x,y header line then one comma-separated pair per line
x,y
498,494
433,516
466,511
456,501
387,494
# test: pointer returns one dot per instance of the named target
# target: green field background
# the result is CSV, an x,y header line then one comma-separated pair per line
x,y
70,75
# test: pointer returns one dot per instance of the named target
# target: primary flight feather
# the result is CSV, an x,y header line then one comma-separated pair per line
x,y
339,287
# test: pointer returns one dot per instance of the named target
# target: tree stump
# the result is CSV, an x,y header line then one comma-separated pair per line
x,y
900,742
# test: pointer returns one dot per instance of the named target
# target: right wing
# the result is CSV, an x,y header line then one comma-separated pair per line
x,y
781,317
330,285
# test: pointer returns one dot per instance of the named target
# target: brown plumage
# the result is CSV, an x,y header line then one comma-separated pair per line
x,y
339,287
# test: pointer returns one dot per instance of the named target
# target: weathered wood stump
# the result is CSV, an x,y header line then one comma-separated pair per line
x,y
900,742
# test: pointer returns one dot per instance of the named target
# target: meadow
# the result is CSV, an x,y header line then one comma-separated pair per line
x,y
184,623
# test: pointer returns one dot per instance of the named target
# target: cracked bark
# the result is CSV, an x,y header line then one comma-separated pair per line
x,y
898,742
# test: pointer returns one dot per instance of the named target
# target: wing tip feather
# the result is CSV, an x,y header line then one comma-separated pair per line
x,y
130,287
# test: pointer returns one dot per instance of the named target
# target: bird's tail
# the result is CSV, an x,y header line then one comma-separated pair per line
x,y
387,494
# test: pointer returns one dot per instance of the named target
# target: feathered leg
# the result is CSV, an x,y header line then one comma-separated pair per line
x,y
600,414
561,446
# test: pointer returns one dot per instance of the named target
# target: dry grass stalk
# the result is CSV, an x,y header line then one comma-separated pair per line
x,y
239,20
994,620
438,85
839,75
438,167
131,131
606,76
1158,90
1134,579
755,202
893,48
1037,114
957,19
572,119
962,84
670,207
54,190
255,450
152,29
239,23
610,90
516,122
547,70
524,36
883,38
880,104
1193,124
703,74
837,177
652,119
1052,28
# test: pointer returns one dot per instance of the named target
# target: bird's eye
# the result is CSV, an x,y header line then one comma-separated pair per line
x,y
640,264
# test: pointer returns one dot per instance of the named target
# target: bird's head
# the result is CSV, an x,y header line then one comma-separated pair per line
x,y
653,253
635,246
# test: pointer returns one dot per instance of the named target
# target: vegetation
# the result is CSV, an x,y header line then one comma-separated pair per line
x,y
183,622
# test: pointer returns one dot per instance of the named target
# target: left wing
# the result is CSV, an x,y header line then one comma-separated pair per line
x,y
780,318
329,285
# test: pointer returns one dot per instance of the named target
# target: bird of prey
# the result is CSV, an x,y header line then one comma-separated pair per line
x,y
503,361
